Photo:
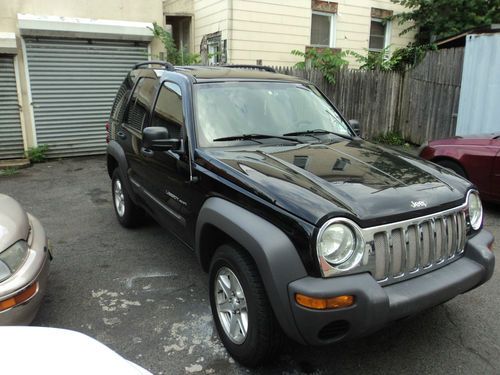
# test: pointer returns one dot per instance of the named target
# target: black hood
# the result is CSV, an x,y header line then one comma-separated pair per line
x,y
354,178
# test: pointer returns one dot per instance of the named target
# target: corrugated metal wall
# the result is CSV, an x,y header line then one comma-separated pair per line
x,y
11,137
73,85
479,109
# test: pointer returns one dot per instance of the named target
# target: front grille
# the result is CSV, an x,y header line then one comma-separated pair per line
x,y
410,248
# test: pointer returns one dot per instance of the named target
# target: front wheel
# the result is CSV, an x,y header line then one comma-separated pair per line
x,y
244,319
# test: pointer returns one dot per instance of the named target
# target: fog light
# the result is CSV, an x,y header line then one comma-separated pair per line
x,y
324,303
19,298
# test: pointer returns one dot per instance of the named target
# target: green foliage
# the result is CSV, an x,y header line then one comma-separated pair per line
x,y
176,57
400,60
390,138
435,19
9,171
326,61
37,154
377,60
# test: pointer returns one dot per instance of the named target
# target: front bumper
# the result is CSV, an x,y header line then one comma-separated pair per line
x,y
376,306
34,270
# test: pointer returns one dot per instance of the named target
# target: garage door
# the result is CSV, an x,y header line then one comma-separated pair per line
x,y
73,84
11,136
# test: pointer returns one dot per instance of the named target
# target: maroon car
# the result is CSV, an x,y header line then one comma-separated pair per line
x,y
475,157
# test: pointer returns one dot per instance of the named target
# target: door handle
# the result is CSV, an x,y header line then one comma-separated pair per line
x,y
121,135
147,152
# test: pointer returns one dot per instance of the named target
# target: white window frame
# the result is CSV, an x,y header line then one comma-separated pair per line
x,y
387,34
333,23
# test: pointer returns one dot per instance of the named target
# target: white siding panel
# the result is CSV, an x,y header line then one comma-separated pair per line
x,y
479,111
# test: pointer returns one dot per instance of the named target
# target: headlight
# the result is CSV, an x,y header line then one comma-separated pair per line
x,y
13,257
475,210
339,246
337,243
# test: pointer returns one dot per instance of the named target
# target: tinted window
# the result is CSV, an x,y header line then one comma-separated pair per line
x,y
140,104
168,110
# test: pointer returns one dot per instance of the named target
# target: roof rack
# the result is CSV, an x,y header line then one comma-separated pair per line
x,y
165,64
244,66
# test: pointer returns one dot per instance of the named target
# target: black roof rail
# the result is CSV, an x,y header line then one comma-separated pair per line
x,y
245,66
165,64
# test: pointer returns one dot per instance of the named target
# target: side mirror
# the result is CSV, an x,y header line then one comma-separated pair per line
x,y
156,138
355,126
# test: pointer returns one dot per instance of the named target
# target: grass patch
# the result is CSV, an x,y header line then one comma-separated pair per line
x,y
37,154
390,138
9,171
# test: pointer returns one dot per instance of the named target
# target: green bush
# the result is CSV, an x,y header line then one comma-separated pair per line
x,y
37,154
174,56
326,61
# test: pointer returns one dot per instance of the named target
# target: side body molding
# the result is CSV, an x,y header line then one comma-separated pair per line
x,y
274,254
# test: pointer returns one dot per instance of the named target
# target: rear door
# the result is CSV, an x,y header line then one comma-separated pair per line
x,y
130,133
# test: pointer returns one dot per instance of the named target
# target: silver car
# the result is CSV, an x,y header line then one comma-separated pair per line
x,y
24,263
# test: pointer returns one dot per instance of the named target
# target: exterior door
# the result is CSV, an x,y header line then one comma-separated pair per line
x,y
168,171
11,136
73,84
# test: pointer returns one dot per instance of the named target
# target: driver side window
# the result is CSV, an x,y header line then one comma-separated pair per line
x,y
168,110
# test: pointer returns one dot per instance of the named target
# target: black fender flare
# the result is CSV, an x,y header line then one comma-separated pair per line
x,y
116,151
274,254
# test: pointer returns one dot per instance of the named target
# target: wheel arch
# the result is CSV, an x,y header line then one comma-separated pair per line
x,y
451,159
115,158
272,251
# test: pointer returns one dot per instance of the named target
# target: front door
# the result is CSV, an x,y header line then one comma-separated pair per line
x,y
166,173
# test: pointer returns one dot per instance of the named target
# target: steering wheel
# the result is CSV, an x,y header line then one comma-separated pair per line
x,y
302,125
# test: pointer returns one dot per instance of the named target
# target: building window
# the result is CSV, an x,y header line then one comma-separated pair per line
x,y
323,29
380,29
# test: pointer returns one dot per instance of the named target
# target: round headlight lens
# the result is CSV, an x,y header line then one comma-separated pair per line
x,y
337,243
475,211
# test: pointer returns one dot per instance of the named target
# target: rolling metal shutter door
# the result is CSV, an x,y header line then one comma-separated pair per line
x,y
11,136
73,85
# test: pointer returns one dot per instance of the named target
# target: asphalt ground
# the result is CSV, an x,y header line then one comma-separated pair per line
x,y
142,293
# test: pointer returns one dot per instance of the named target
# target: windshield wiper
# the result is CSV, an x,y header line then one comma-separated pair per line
x,y
253,137
318,131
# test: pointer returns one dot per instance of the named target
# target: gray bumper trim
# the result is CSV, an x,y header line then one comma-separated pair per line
x,y
376,306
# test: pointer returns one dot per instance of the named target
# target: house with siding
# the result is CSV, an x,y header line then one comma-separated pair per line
x,y
266,31
61,63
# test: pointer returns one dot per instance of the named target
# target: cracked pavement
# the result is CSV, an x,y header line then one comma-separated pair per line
x,y
143,294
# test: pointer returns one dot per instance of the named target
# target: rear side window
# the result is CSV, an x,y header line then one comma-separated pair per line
x,y
140,104
118,107
168,110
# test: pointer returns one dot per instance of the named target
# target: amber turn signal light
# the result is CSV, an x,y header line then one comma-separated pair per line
x,y
324,303
19,298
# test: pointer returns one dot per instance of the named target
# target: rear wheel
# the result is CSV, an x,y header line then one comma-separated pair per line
x,y
128,213
454,166
243,316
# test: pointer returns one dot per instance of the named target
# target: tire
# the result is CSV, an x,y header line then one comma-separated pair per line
x,y
232,266
454,166
127,212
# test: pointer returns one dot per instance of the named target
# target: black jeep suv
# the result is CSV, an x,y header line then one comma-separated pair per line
x,y
304,227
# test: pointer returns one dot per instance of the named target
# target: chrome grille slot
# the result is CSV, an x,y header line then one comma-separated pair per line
x,y
397,254
381,246
406,249
412,248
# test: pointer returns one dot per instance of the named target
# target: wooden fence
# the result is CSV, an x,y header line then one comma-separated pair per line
x,y
420,104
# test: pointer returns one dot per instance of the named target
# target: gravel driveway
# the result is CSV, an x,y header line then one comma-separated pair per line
x,y
143,294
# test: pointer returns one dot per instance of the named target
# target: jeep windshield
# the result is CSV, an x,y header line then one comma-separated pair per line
x,y
229,113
